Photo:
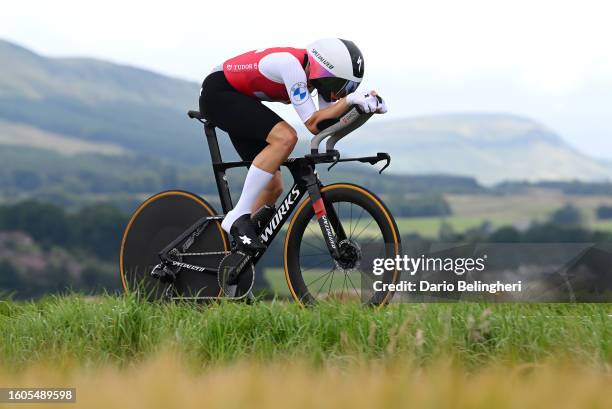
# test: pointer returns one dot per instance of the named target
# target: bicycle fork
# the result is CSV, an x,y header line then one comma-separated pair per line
x,y
327,217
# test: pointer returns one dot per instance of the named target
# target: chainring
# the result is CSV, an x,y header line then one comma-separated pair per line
x,y
246,280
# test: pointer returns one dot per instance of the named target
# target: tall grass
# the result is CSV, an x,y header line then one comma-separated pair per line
x,y
123,331
164,383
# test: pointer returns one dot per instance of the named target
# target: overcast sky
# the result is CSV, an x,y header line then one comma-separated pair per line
x,y
548,60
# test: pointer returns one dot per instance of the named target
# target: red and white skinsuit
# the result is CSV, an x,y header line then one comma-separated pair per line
x,y
273,74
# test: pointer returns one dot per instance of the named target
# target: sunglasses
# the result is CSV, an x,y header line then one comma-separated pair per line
x,y
334,88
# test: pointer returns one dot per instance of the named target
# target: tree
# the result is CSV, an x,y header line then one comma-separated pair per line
x,y
604,212
420,206
507,234
43,222
567,216
98,228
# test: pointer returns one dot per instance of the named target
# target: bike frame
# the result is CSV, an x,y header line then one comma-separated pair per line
x,y
306,180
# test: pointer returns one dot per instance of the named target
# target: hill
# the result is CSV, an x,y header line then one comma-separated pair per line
x,y
81,106
130,109
489,147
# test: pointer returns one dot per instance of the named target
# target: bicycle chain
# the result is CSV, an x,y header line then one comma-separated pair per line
x,y
208,253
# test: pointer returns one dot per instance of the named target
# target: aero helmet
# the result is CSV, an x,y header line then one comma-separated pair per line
x,y
336,67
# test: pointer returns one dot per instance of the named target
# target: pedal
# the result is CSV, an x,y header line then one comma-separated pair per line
x,y
262,217
163,274
236,275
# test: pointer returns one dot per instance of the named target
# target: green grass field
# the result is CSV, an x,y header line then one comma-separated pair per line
x,y
124,330
121,352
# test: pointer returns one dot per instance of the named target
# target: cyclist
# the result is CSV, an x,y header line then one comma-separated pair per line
x,y
231,98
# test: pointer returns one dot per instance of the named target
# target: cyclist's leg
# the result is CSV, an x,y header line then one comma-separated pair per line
x,y
257,134
281,141
270,193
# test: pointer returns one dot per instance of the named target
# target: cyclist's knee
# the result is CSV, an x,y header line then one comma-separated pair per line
x,y
283,136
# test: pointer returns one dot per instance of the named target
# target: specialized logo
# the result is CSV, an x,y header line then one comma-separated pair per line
x,y
189,266
280,213
359,61
328,231
322,60
299,93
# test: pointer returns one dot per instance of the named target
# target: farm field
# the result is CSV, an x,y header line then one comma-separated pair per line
x,y
519,210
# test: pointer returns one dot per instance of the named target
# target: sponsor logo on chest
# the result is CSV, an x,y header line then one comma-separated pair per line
x,y
242,67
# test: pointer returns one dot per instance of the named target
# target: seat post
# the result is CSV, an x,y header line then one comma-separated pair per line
x,y
220,178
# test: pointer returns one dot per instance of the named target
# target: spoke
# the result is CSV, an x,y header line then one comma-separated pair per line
x,y
315,233
317,254
317,279
362,230
357,223
325,279
353,285
324,282
314,247
365,243
331,282
316,265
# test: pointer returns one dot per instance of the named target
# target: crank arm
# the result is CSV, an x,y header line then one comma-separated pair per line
x,y
234,274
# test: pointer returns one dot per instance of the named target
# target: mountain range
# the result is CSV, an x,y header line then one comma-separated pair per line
x,y
488,147
79,106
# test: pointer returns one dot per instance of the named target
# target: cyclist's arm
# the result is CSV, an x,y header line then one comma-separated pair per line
x,y
332,111
323,103
284,67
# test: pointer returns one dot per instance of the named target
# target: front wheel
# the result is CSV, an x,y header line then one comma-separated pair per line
x,y
369,233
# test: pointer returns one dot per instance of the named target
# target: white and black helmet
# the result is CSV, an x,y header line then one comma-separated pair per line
x,y
336,67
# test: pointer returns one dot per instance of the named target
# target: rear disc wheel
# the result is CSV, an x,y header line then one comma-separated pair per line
x,y
158,221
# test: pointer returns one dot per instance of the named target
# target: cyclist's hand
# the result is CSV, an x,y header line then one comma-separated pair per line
x,y
368,103
382,106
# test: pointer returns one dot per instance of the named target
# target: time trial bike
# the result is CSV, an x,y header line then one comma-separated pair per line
x,y
174,248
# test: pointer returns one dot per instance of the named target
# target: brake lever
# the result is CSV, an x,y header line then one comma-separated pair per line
x,y
334,163
379,156
388,159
